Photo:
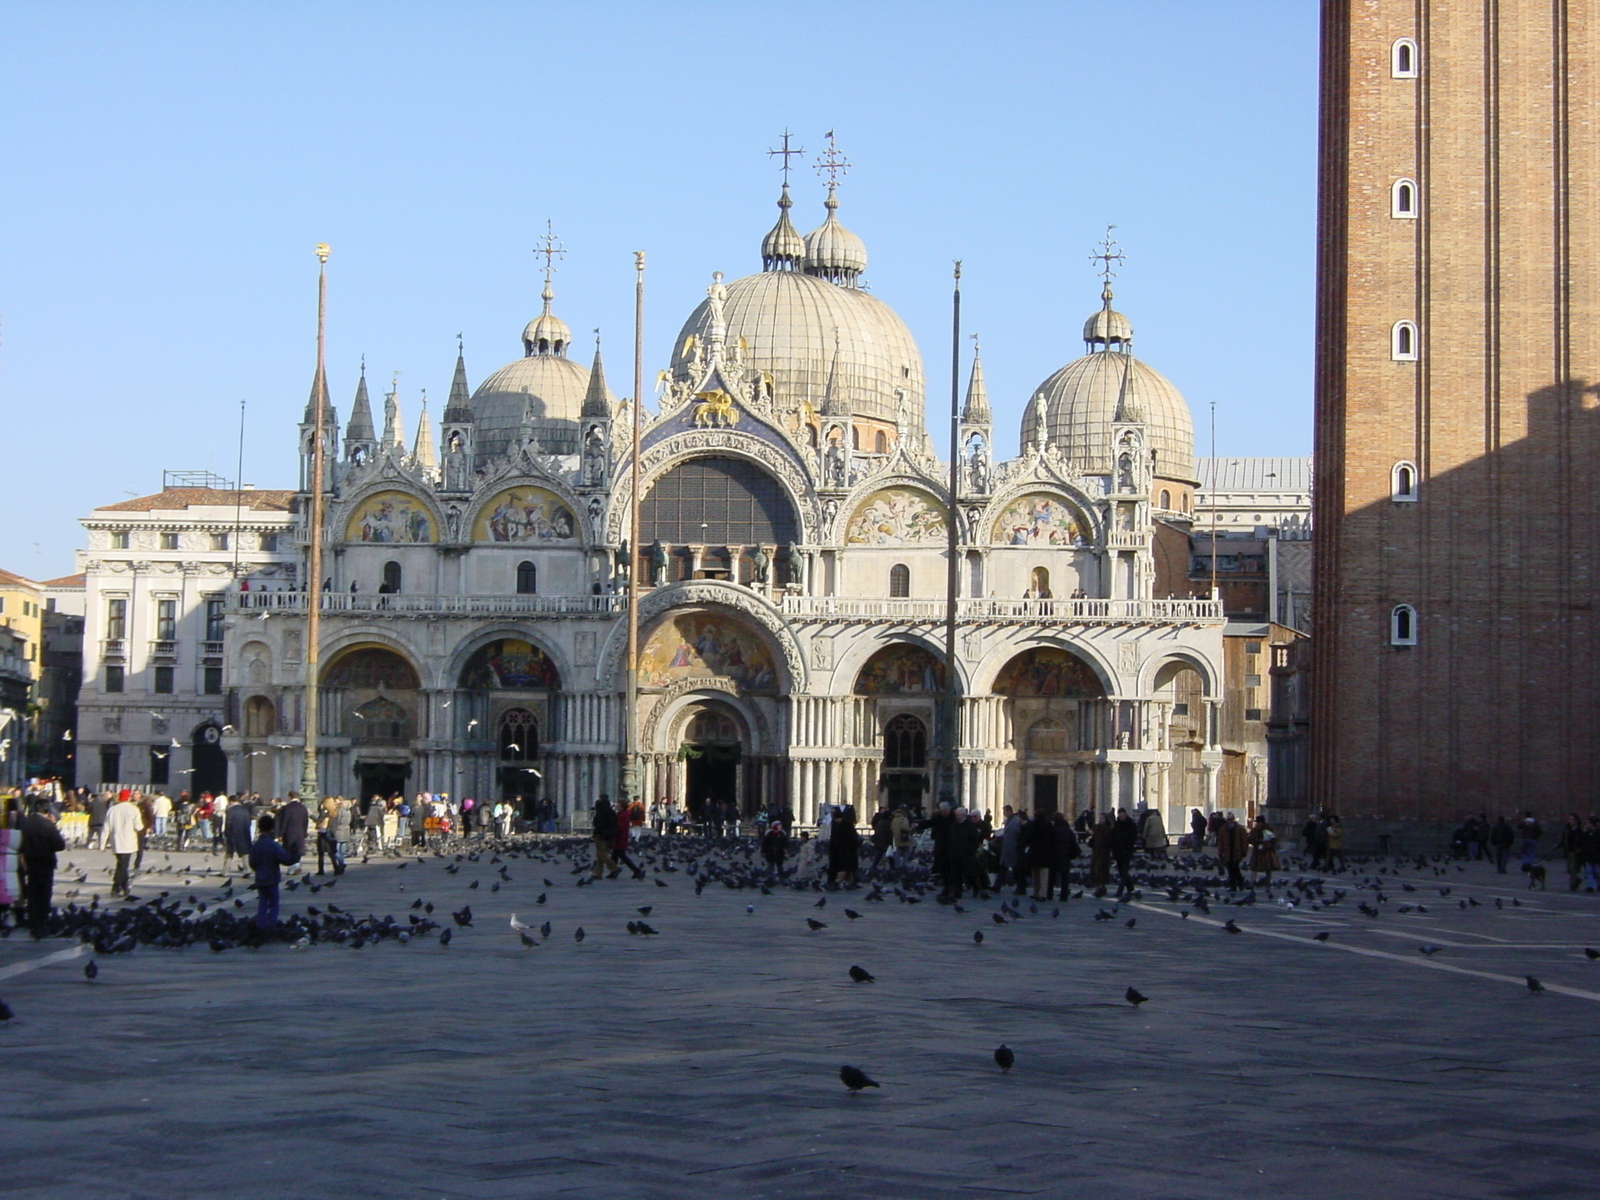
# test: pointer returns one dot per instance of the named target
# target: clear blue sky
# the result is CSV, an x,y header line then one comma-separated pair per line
x,y
168,168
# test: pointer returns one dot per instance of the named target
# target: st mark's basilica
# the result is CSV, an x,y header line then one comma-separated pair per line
x,y
792,556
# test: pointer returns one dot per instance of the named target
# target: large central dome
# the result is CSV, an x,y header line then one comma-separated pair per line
x,y
806,323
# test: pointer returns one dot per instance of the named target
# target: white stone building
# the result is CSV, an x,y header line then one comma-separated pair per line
x,y
157,571
793,563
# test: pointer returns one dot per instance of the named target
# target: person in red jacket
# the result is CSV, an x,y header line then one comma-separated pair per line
x,y
619,847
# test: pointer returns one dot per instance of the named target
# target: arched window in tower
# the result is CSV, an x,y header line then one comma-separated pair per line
x,y
855,437
1404,477
1403,61
899,581
1040,583
1403,625
1403,199
1166,500
527,579
905,744
880,443
391,577
519,736
1403,341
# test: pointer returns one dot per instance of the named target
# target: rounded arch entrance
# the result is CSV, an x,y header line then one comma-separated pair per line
x,y
715,517
370,695
901,685
1183,721
711,734
503,716
1061,726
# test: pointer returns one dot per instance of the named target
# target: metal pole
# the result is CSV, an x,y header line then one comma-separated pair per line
x,y
952,682
630,732
310,791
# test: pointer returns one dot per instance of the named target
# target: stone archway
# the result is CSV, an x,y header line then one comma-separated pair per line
x,y
1061,726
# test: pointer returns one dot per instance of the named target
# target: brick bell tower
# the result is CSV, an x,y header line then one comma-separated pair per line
x,y
1458,409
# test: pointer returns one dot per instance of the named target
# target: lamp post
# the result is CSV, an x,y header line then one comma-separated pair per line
x,y
630,720
310,790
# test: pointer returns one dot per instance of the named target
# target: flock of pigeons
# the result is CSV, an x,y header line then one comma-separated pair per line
x,y
178,917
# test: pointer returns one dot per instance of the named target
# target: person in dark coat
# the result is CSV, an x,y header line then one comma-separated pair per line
x,y
41,841
268,860
294,824
939,826
604,832
1233,841
1124,837
98,803
1197,828
236,832
966,838
1064,845
1500,839
1038,846
774,845
844,847
1100,852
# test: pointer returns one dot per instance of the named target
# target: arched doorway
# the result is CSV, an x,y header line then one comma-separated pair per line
x,y
208,760
904,778
503,718
1186,783
1061,723
904,682
518,740
711,750
371,697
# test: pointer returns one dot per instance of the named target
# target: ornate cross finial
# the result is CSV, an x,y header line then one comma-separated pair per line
x,y
461,344
976,349
786,154
394,384
550,249
1108,254
831,164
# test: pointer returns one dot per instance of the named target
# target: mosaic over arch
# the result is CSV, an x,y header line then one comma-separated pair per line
x,y
1049,671
525,516
1040,519
897,516
900,669
510,664
391,518
371,667
706,645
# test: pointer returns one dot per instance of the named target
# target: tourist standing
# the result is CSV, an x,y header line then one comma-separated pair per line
x,y
1197,829
1010,872
603,831
1124,838
124,824
268,858
1333,836
1500,838
1571,845
294,823
236,832
161,811
1038,853
1232,845
1263,851
774,845
1065,849
341,827
41,842
1100,853
844,848
98,804
1530,833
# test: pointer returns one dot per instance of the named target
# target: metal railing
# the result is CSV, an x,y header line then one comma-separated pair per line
x,y
422,604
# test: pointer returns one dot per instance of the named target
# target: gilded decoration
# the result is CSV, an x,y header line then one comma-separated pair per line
x,y
510,664
1038,520
1048,671
900,669
391,518
525,516
706,646
897,516
716,409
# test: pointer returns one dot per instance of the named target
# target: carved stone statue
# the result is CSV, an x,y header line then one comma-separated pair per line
x,y
761,566
836,467
658,564
594,457
797,568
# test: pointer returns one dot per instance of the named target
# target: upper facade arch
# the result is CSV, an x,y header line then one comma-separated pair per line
x,y
994,665
527,512
472,654
860,651
389,515
1158,670
901,512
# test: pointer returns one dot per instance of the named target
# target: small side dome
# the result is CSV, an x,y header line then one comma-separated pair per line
x,y
783,249
546,333
832,251
1107,327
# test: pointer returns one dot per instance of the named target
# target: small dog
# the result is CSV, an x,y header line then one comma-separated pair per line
x,y
1535,875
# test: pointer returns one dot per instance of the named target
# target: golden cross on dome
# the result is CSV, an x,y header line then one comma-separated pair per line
x,y
550,249
786,154
1109,254
832,164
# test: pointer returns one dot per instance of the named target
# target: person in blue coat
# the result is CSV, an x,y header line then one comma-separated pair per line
x,y
268,857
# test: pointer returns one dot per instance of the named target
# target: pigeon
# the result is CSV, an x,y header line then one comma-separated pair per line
x,y
852,914
475,884
861,975
1005,1058
578,935
1231,927
977,937
1430,951
444,938
90,970
822,903
1135,997
854,1079
1591,952
997,918
1320,937
749,908
1132,921
645,911
463,918
528,943
661,883
646,929
544,930
5,1011
815,924
1534,985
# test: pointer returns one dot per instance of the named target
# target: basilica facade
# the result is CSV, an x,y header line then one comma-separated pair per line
x,y
792,566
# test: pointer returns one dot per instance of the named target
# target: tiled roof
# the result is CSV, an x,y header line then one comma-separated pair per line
x,y
66,581
1254,474
255,499
12,579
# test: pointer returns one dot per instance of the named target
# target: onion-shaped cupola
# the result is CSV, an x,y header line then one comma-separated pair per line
x,y
783,249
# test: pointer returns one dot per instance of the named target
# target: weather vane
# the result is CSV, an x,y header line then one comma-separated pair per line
x,y
832,164
786,154
550,249
1108,255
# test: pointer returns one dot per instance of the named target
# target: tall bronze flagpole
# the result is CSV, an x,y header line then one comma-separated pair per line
x,y
952,682
310,790
630,732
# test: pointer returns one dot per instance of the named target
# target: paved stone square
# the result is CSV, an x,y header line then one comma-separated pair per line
x,y
703,1061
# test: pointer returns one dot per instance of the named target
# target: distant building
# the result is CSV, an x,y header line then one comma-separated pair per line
x,y
53,748
1260,512
155,578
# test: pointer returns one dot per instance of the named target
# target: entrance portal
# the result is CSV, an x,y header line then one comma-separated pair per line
x,y
903,789
210,762
1046,793
381,779
712,776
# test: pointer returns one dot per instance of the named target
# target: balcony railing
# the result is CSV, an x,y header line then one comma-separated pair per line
x,y
420,604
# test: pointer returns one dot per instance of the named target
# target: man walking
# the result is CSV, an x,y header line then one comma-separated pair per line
x,y
124,826
294,823
98,804
1233,842
604,832
268,859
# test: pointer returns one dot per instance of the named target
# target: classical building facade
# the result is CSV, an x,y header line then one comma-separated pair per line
x,y
1458,436
792,565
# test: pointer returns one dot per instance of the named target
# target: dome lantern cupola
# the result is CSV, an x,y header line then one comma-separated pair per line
x,y
1107,329
546,333
783,249
832,251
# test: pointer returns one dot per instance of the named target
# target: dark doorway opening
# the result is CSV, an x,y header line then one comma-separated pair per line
x,y
381,779
520,781
903,789
209,761
1046,793
712,775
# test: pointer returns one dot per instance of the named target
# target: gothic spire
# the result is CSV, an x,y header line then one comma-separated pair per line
x,y
360,428
976,410
595,403
422,448
458,409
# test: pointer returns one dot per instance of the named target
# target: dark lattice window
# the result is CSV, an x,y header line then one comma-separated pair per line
x,y
905,744
717,502
899,581
711,726
391,577
519,736
527,579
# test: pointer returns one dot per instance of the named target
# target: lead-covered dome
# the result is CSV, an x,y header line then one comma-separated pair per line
x,y
1081,401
